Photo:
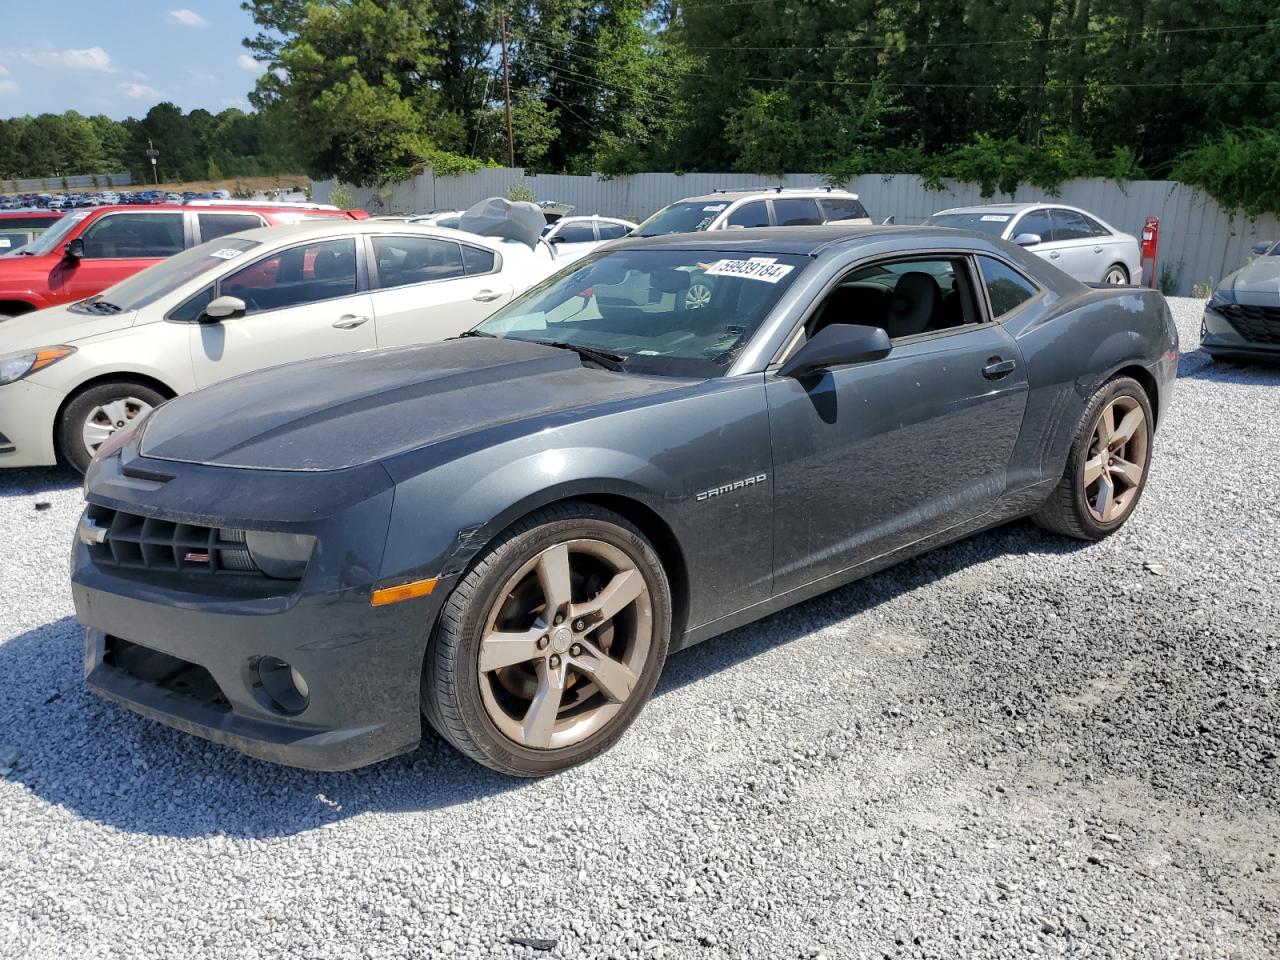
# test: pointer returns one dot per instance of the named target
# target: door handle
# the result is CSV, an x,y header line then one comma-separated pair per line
x,y
487,296
1054,255
349,321
1097,249
997,368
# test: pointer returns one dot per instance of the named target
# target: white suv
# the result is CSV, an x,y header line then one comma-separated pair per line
x,y
779,207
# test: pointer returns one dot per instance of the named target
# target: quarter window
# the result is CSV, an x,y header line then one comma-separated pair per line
x,y
754,214
835,209
1069,225
477,260
133,236
214,225
406,260
303,274
796,212
1006,288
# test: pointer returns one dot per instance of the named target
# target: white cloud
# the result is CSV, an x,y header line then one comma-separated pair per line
x,y
246,62
8,87
183,17
93,59
4,71
140,91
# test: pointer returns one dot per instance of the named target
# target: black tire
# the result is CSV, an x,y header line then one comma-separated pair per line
x,y
70,427
451,698
1067,511
1124,271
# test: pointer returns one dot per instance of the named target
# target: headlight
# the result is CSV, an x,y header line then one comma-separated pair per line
x,y
1222,297
280,555
15,366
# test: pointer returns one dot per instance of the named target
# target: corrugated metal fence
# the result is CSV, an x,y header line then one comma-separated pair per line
x,y
54,184
1199,241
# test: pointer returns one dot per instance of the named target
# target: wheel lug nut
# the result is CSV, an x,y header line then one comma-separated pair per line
x,y
576,650
579,625
542,643
555,661
559,619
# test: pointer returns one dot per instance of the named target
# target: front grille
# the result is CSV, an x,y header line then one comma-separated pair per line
x,y
145,543
1259,324
177,676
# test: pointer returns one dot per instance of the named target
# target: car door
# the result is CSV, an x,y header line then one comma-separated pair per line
x,y
307,300
428,288
875,456
1076,241
117,245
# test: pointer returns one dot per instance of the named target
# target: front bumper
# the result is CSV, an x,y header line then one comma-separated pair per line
x,y
27,414
183,648
1219,338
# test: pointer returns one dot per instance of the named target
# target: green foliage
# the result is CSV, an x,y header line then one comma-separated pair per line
x,y
1202,291
341,198
446,164
520,192
1238,170
1169,278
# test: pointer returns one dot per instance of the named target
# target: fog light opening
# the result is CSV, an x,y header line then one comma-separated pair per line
x,y
284,688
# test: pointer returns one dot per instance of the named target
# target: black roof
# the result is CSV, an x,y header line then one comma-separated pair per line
x,y
805,241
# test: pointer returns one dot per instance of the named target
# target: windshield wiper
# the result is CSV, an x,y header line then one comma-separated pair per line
x,y
610,361
471,333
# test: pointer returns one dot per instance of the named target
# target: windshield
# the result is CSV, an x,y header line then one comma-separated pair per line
x,y
145,288
675,313
992,223
682,218
52,238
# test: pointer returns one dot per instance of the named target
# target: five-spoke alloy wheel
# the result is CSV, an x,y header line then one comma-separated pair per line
x,y
551,643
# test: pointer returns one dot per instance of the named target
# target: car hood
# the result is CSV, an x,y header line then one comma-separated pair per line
x,y
344,411
57,325
1258,283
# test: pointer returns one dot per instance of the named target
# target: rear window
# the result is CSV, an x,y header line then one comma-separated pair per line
x,y
214,225
993,223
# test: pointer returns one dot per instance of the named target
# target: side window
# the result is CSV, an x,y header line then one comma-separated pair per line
x,y
577,233
612,231
754,214
405,260
1006,288
303,274
906,298
835,209
1069,225
189,310
1037,222
796,212
477,260
120,236
214,225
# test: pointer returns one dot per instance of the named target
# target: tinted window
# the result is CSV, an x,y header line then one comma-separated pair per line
x,y
405,260
189,310
754,214
1069,225
841,208
682,218
795,212
1006,288
906,299
214,225
992,223
145,288
576,233
612,231
1037,222
303,274
477,260
133,236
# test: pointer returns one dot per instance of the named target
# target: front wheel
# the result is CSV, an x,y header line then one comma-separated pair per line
x,y
98,412
552,642
1107,467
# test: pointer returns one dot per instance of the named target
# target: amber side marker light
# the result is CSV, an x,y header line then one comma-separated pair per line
x,y
406,591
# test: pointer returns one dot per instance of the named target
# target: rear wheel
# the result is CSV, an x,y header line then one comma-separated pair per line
x,y
1116,274
96,413
551,644
1107,468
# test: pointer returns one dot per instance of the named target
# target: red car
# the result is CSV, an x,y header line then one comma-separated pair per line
x,y
88,250
20,227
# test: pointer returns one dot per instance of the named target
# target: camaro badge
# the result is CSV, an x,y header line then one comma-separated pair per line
x,y
730,487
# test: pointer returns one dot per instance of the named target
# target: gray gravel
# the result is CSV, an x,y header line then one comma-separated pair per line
x,y
1016,745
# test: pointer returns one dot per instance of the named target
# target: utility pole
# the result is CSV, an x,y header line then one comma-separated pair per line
x,y
506,89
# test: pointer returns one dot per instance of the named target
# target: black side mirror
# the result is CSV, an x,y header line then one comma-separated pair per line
x,y
74,250
835,345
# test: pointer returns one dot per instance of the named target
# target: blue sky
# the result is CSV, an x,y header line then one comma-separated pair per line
x,y
120,57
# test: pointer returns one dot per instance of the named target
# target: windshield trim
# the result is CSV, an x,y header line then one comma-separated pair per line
x,y
56,233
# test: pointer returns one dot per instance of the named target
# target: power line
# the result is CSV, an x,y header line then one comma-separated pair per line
x,y
547,51
546,61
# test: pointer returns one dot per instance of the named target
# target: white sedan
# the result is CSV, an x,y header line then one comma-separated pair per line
x,y
71,376
1073,240
574,237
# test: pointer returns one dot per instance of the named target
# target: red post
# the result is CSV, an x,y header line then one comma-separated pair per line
x,y
1150,243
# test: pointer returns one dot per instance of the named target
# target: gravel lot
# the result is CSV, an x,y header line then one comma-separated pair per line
x,y
1016,745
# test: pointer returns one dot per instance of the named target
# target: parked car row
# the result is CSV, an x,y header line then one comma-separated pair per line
x,y
103,198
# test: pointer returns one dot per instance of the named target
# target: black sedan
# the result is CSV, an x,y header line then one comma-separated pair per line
x,y
509,532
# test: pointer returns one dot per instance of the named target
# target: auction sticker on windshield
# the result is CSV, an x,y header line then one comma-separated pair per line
x,y
226,253
757,268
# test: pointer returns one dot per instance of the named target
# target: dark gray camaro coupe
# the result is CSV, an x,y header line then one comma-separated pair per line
x,y
507,533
